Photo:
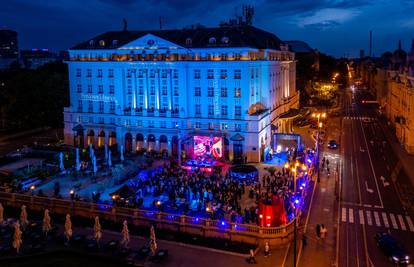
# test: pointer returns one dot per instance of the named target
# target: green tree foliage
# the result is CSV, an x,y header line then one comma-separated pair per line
x,y
34,98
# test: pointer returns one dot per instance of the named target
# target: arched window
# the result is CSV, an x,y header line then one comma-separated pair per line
x,y
102,43
114,42
188,41
225,40
212,40
91,42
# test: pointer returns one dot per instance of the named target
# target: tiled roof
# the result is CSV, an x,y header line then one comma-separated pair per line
x,y
231,36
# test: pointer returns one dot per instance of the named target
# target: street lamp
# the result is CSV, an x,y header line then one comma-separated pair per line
x,y
320,124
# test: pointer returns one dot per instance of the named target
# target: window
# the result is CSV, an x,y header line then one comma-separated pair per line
x,y
164,90
197,109
115,42
90,106
151,124
197,91
211,126
101,120
188,41
237,92
210,91
112,107
111,89
100,89
89,88
210,110
102,43
164,74
223,92
140,73
152,90
225,40
152,73
110,73
79,88
99,73
89,73
237,74
210,74
223,74
78,72
223,126
237,111
212,40
163,124
224,110
129,89
128,73
80,107
237,127
176,91
101,107
140,90
175,74
197,74
197,125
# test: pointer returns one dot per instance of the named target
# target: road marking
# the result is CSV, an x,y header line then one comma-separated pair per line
x,y
361,217
385,219
343,214
410,223
393,221
400,218
369,218
351,215
377,219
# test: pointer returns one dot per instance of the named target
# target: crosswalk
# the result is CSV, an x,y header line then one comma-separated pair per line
x,y
360,118
377,218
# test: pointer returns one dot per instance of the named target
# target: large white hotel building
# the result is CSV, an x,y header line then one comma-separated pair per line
x,y
154,90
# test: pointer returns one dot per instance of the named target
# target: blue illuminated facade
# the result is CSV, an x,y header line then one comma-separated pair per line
x,y
153,90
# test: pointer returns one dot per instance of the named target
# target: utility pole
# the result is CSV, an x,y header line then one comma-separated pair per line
x,y
295,230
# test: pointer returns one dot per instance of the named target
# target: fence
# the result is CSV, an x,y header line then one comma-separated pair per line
x,y
246,233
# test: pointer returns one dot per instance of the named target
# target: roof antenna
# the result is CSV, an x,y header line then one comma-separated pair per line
x,y
125,24
160,18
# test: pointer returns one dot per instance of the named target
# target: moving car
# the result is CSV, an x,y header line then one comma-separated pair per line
x,y
332,144
392,249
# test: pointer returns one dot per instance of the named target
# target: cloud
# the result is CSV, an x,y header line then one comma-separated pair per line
x,y
327,18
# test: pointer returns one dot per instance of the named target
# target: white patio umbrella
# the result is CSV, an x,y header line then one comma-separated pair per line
x,y
17,237
153,241
46,222
97,230
125,235
68,228
1,214
23,217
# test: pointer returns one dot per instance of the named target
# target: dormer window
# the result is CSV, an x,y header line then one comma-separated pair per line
x,y
189,41
91,42
225,40
101,43
212,40
114,42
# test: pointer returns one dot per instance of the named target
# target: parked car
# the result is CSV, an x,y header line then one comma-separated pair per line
x,y
332,144
392,249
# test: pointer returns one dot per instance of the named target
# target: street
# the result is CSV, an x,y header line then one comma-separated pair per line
x,y
370,201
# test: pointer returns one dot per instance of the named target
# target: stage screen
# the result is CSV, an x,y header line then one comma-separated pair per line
x,y
204,145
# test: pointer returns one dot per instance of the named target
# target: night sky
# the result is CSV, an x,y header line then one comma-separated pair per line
x,y
335,27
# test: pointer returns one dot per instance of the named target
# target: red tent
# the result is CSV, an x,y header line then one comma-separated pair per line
x,y
272,215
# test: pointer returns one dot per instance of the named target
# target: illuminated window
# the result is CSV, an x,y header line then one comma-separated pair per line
x,y
102,43
237,92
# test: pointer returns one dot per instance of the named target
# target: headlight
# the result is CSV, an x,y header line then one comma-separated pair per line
x,y
395,258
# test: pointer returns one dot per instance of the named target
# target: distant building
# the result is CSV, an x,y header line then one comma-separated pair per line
x,y
34,58
391,80
159,90
9,50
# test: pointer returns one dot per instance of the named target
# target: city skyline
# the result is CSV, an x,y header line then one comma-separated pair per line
x,y
63,24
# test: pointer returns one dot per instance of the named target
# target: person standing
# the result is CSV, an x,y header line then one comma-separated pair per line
x,y
324,231
318,231
252,258
266,250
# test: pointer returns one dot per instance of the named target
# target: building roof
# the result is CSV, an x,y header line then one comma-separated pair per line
x,y
226,36
299,47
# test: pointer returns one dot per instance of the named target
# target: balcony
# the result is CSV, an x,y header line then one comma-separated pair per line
x,y
150,112
175,113
163,112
